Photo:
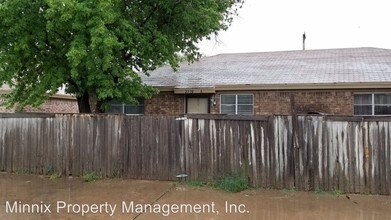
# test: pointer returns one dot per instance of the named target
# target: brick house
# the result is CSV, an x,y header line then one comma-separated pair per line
x,y
58,103
352,81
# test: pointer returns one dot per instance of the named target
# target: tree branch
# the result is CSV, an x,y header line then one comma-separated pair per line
x,y
149,16
47,40
61,36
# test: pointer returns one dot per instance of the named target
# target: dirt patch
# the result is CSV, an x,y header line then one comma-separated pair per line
x,y
168,200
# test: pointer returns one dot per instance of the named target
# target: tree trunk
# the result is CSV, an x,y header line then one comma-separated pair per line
x,y
84,103
98,107
95,104
88,103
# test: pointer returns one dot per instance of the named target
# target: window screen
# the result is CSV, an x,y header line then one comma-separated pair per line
x,y
372,104
126,108
238,104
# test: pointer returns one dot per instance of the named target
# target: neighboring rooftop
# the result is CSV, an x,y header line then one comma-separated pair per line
x,y
60,94
328,68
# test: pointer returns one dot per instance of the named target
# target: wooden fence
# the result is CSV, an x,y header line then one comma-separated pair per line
x,y
351,154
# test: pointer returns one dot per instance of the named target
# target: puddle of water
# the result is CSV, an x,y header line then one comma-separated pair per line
x,y
251,204
31,189
274,204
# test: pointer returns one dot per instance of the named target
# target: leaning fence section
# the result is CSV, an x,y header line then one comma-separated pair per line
x,y
350,154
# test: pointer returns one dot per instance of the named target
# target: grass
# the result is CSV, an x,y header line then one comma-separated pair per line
x,y
91,177
196,183
238,182
52,173
24,171
338,192
232,183
335,192
291,190
319,191
323,192
55,175
50,170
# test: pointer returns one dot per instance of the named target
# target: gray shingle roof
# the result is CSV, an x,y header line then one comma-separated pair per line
x,y
320,67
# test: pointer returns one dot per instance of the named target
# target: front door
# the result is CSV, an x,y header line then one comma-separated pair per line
x,y
197,105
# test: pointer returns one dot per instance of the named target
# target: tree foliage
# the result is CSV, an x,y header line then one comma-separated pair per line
x,y
96,48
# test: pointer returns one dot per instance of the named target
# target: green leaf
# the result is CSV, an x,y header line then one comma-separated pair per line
x,y
98,47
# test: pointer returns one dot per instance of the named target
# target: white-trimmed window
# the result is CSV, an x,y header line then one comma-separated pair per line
x,y
237,104
372,104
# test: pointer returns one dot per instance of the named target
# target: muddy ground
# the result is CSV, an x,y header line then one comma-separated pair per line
x,y
66,198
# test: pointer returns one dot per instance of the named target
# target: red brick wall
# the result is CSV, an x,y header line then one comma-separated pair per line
x,y
278,102
53,105
165,104
338,102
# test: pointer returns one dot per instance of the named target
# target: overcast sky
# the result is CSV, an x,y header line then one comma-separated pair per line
x,y
278,25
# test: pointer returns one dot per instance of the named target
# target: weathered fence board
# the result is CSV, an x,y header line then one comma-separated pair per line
x,y
306,152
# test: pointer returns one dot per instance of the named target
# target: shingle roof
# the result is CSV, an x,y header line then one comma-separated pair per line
x,y
317,67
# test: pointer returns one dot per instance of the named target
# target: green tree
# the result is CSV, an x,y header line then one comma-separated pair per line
x,y
96,48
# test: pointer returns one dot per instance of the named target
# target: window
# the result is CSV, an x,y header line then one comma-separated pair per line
x,y
242,104
372,104
127,108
